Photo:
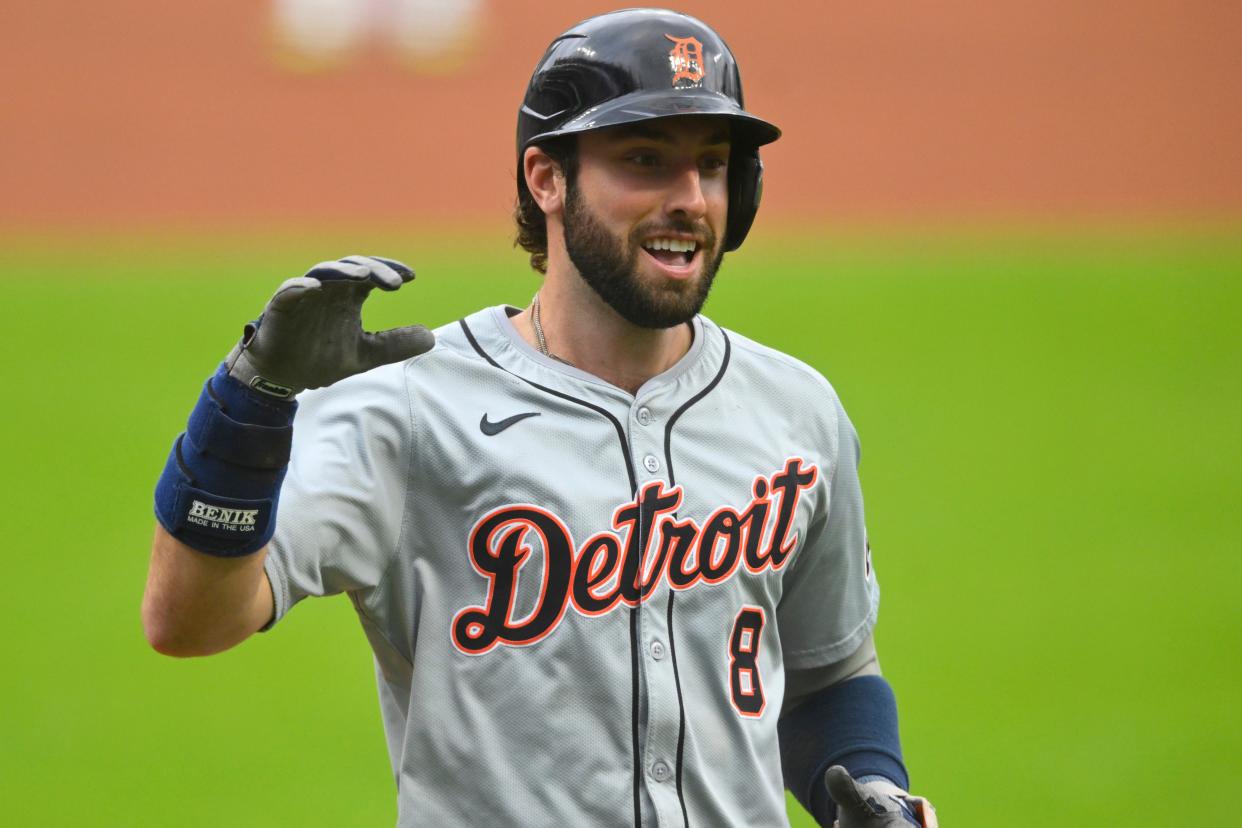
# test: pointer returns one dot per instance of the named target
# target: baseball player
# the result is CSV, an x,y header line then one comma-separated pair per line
x,y
610,557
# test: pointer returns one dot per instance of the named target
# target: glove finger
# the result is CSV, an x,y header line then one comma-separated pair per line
x,y
340,271
407,273
381,274
395,345
847,793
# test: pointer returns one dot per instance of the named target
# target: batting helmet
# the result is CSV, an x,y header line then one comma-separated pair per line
x,y
639,65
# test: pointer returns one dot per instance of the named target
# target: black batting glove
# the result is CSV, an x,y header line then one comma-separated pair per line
x,y
879,804
310,334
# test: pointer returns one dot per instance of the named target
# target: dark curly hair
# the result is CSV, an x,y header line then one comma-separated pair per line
x,y
532,224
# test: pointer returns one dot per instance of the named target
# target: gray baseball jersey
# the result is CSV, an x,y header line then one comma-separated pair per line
x,y
582,603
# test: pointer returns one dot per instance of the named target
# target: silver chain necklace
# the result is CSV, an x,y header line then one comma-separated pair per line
x,y
540,339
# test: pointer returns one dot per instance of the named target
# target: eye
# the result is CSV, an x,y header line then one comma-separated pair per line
x,y
643,159
714,163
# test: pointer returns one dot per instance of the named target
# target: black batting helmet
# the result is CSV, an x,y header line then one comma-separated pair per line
x,y
638,65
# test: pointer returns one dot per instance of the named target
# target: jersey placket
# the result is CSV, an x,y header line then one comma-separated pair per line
x,y
659,705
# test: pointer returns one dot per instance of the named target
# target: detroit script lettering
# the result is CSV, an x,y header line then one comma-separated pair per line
x,y
623,566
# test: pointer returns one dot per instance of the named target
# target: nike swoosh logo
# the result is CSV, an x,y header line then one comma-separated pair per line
x,y
492,429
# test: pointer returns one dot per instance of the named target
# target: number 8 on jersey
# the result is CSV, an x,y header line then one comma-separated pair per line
x,y
745,685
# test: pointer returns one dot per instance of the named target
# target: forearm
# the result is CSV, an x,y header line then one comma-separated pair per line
x,y
215,504
853,723
840,713
197,604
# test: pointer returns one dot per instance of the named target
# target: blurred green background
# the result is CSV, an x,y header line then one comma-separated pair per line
x,y
1010,234
1051,447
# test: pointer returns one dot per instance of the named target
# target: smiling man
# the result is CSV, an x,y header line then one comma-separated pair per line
x,y
610,557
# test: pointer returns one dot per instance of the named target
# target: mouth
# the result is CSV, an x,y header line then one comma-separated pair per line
x,y
675,255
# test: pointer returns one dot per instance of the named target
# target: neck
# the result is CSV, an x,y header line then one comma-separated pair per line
x,y
581,329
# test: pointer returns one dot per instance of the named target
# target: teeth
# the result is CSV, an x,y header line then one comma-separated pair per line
x,y
675,245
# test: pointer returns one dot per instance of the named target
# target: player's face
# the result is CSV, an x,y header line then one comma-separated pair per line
x,y
641,190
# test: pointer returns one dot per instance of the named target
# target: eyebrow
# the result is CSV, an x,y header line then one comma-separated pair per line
x,y
653,133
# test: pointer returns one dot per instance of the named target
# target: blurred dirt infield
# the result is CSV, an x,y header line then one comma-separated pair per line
x,y
135,111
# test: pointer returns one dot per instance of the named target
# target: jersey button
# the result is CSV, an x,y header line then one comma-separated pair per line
x,y
651,463
657,650
644,416
660,771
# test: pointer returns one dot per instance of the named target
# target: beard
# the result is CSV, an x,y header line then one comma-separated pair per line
x,y
610,266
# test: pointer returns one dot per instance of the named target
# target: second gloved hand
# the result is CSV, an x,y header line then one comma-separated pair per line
x,y
879,804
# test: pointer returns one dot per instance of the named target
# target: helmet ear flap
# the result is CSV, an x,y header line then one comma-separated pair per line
x,y
745,192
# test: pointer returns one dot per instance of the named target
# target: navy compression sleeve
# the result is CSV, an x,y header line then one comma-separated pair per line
x,y
853,724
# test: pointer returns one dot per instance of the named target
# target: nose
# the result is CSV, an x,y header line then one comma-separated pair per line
x,y
685,195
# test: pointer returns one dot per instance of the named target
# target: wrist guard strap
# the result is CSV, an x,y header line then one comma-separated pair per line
x,y
221,483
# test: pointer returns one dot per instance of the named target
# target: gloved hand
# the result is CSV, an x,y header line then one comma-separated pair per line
x,y
310,334
878,804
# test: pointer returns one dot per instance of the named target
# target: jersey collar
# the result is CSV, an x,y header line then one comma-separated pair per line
x,y
517,355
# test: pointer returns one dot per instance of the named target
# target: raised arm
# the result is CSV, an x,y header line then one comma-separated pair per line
x,y
216,501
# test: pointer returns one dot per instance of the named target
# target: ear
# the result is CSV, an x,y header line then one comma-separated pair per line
x,y
544,180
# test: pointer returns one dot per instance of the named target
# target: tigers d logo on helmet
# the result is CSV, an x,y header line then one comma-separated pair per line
x,y
686,61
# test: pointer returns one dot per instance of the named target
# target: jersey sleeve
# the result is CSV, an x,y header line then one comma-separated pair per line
x,y
831,596
342,505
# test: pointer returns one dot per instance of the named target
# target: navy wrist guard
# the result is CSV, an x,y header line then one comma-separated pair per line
x,y
221,484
